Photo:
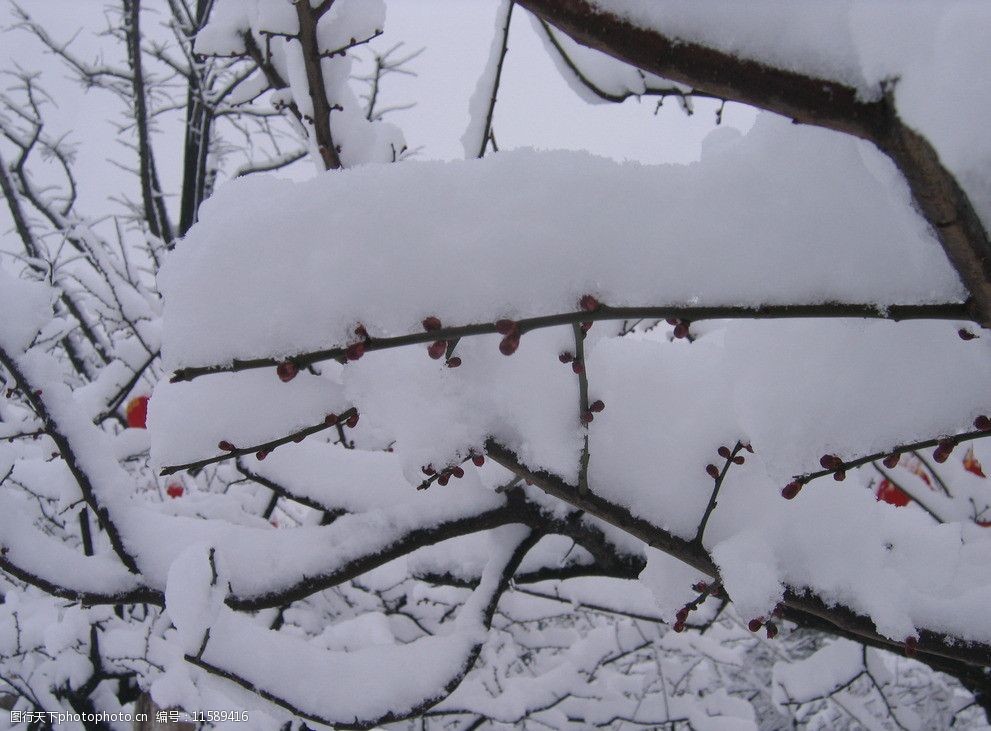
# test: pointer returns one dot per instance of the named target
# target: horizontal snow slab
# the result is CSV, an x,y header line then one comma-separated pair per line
x,y
782,215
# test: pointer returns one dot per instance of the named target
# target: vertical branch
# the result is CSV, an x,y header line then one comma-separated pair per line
x,y
308,19
584,414
487,132
151,193
732,457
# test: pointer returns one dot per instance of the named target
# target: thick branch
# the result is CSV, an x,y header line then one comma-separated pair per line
x,y
807,100
690,552
308,18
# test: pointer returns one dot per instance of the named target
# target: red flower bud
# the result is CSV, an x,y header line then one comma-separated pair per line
x,y
566,357
724,452
755,624
457,471
982,423
738,459
330,418
586,417
966,334
839,475
431,323
478,460
588,303
891,461
679,627
443,479
437,349
352,421
453,362
682,614
578,367
772,630
789,491
354,351
226,446
286,371
261,454
596,406
361,332
681,330
712,471
911,646
509,344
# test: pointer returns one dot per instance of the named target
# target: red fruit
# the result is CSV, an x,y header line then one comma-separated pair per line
x,y
596,406
891,494
755,624
457,471
724,452
287,371
713,471
174,490
330,418
431,323
566,357
478,460
354,351
982,423
505,327
137,412
891,461
839,475
437,349
679,627
509,344
578,367
352,421
588,303
682,614
443,479
789,491
454,362
966,334
261,454
226,446
681,330
586,417
772,630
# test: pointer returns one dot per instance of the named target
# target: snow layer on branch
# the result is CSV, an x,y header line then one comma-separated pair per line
x,y
937,51
527,233
26,308
474,138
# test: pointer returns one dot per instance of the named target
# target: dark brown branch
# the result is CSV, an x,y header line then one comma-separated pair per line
x,y
490,110
35,398
806,100
323,138
153,202
417,708
902,449
690,552
296,436
140,595
714,496
947,311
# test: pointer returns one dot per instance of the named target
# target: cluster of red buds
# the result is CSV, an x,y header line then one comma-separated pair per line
x,y
594,408
834,464
730,456
444,476
705,590
754,625
438,348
